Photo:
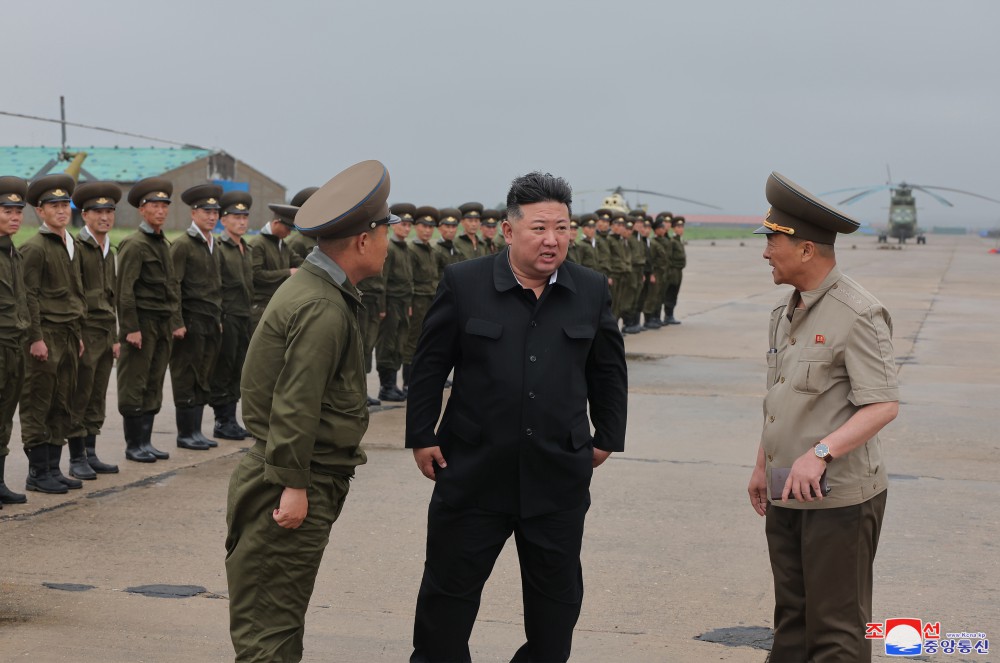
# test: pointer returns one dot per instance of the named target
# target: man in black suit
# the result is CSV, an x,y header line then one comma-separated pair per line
x,y
537,335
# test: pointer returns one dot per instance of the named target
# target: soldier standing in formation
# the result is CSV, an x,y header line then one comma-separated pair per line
x,y
447,252
620,264
587,245
572,255
603,219
149,318
298,242
14,320
56,308
678,261
659,257
645,229
394,328
236,268
637,258
97,202
488,224
468,244
273,260
425,281
196,268
370,317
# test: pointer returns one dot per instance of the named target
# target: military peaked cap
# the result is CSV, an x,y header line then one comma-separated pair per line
x,y
449,216
405,211
299,199
51,189
426,215
471,210
97,195
202,196
351,203
235,202
12,191
798,213
150,190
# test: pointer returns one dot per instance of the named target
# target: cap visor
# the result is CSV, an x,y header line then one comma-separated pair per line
x,y
393,219
764,230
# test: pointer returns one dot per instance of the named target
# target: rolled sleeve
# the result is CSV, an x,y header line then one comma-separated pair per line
x,y
871,366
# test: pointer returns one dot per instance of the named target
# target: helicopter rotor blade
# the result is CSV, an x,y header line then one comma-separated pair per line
x,y
933,195
853,188
864,194
663,195
924,187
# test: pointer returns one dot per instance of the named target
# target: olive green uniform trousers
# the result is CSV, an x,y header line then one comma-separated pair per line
x,y
47,396
11,381
192,361
421,304
93,374
369,322
272,570
141,370
225,384
392,333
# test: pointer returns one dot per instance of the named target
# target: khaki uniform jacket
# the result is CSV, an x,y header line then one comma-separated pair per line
x,y
52,283
198,277
398,271
14,318
463,244
588,253
833,357
271,260
237,276
97,272
303,386
146,281
424,267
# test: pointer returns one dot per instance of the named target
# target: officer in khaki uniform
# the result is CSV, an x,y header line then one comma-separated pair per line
x,y
297,242
586,246
236,268
425,281
14,320
273,260
489,222
831,387
199,280
56,309
447,252
394,328
304,402
97,202
149,318
468,244
678,261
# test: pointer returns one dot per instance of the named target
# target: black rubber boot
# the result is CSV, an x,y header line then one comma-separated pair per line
x,y
90,443
631,324
372,402
147,437
187,419
134,448
38,472
55,455
226,427
78,465
389,391
200,411
8,496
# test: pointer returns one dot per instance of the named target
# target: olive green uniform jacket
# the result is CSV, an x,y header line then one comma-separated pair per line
x,y
272,260
446,254
146,281
463,244
236,269
198,275
588,254
301,245
13,330
678,260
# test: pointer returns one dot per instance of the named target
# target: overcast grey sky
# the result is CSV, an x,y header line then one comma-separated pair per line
x,y
698,99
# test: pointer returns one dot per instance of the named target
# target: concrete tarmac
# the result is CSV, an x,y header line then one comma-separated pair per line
x,y
675,561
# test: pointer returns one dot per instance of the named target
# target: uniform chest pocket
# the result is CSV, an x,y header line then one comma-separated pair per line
x,y
813,370
772,368
153,271
484,328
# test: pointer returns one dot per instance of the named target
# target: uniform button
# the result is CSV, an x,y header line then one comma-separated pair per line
x,y
792,341
534,324
531,358
834,286
531,394
771,418
528,432
782,378
770,457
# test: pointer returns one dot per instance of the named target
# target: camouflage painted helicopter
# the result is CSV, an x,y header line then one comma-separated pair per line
x,y
617,202
902,206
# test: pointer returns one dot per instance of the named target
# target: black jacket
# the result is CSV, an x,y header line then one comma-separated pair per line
x,y
515,433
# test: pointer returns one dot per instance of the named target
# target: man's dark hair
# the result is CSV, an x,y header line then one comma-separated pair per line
x,y
537,187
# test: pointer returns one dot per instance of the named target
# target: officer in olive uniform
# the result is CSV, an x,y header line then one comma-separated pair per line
x,y
500,240
56,308
298,242
236,268
603,248
574,229
586,246
192,360
273,260
637,254
14,320
304,403
370,317
447,252
644,227
620,265
97,202
394,329
831,388
678,261
488,225
425,281
469,245
659,256
149,318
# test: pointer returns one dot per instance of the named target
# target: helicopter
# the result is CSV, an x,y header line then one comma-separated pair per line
x,y
902,206
617,202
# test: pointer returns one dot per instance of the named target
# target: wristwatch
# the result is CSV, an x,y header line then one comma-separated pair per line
x,y
822,452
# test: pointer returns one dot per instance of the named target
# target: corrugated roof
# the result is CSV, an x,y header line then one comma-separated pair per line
x,y
117,164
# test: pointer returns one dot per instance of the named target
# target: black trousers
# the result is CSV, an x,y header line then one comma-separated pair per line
x,y
822,565
462,546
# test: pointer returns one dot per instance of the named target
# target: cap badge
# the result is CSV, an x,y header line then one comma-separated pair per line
x,y
820,339
240,206
210,201
14,198
58,192
159,194
103,201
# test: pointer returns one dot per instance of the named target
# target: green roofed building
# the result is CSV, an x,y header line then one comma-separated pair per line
x,y
184,166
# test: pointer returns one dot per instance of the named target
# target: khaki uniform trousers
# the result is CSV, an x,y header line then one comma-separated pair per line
x,y
827,556
47,395
92,378
272,570
11,382
141,371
